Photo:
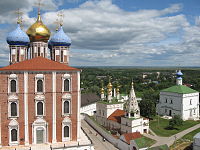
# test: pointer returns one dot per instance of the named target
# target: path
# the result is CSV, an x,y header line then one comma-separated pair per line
x,y
96,138
170,140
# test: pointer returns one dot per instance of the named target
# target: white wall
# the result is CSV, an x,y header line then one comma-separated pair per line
x,y
89,109
180,105
191,110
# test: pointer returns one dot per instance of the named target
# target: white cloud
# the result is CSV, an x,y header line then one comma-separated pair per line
x,y
104,34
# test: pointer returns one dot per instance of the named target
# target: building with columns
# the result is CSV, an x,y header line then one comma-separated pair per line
x,y
179,100
121,116
40,97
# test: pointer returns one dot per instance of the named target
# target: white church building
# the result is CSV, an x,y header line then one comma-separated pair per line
x,y
179,100
123,117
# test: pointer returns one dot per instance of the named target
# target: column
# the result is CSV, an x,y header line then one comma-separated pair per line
x,y
78,105
54,107
26,133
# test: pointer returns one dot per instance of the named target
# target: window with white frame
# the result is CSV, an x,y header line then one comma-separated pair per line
x,y
13,135
66,85
13,132
39,83
66,129
13,109
66,107
13,86
39,108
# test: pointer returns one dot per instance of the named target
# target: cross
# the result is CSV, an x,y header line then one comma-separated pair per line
x,y
57,23
19,16
61,17
39,4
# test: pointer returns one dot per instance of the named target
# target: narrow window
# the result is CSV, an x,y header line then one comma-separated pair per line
x,y
165,100
66,107
39,86
13,109
38,51
40,108
66,85
171,102
61,59
66,131
191,102
13,86
13,135
17,55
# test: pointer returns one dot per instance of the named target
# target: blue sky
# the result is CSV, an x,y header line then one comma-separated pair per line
x,y
116,32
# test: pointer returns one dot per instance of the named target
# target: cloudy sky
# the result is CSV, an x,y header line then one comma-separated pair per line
x,y
116,32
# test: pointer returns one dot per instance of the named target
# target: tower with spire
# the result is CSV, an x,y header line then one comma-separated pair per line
x,y
102,91
109,91
132,108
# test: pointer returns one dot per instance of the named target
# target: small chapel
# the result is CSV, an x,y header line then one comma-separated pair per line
x,y
120,115
40,96
179,100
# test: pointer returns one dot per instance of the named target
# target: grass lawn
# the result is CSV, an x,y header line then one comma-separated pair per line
x,y
190,135
161,128
144,142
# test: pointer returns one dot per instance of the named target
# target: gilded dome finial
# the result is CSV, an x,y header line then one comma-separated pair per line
x,y
19,16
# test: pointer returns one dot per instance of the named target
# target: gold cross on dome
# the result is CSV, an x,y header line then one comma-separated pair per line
x,y
61,17
57,23
19,16
39,4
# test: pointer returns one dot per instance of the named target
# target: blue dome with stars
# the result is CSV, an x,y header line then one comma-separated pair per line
x,y
17,37
60,39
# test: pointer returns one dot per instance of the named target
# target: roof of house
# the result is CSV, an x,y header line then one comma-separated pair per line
x,y
116,115
38,64
89,98
131,136
181,89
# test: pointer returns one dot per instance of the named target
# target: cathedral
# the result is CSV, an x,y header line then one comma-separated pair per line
x,y
40,97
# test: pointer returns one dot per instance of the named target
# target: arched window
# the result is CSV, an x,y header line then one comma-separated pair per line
x,y
39,108
66,131
13,109
13,135
66,107
66,85
39,86
13,86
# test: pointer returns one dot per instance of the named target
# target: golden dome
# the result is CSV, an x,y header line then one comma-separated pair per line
x,y
109,86
38,31
102,90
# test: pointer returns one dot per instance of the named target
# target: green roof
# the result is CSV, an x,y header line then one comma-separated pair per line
x,y
181,89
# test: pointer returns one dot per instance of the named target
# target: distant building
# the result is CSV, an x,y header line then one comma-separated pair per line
x,y
179,100
88,103
119,116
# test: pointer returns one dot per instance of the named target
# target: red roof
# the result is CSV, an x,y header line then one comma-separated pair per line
x,y
131,136
116,115
38,64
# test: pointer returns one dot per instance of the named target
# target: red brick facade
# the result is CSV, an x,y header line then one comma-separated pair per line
x,y
48,105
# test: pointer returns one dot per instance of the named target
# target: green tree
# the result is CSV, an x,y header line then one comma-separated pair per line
x,y
175,121
147,108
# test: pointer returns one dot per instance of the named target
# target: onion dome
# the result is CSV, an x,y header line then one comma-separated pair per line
x,y
60,38
17,37
179,74
38,31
